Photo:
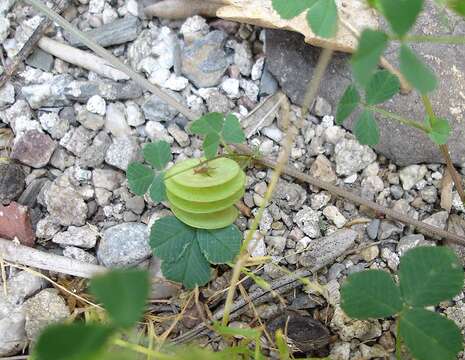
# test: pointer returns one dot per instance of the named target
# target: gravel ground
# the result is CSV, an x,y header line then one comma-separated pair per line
x,y
74,132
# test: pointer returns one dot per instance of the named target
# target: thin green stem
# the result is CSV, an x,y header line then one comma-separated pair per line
x,y
398,342
398,118
428,107
441,39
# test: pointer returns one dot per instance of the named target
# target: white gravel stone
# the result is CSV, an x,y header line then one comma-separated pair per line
x,y
231,87
412,174
134,115
332,213
97,105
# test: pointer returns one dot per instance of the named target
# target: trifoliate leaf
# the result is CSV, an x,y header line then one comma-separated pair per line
x,y
322,18
440,131
366,129
365,60
381,87
220,246
401,14
232,130
192,269
75,341
370,294
209,123
430,336
123,294
416,72
139,178
157,154
211,143
348,103
290,9
169,238
158,189
429,275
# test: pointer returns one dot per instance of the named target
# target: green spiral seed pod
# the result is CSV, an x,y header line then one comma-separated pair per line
x,y
204,196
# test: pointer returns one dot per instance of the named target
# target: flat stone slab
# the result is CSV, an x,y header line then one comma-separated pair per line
x,y
293,62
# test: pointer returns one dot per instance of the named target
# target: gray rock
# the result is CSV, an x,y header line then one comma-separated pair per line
x,y
324,251
388,229
140,49
396,191
411,241
84,237
94,155
65,205
122,152
124,245
308,220
33,148
82,91
322,169
412,174
77,140
49,94
456,225
117,32
439,219
90,120
107,179
372,229
289,195
29,196
12,181
156,109
268,84
80,255
275,244
41,60
243,57
115,120
293,63
351,157
204,61
54,124
44,309
7,94
62,159
429,194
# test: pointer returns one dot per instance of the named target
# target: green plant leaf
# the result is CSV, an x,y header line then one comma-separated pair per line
x,y
290,9
123,294
365,60
370,294
209,123
139,178
158,189
169,238
381,87
366,129
322,18
429,275
416,72
457,5
430,336
348,103
211,143
192,269
75,341
440,131
401,14
250,334
157,154
221,245
232,130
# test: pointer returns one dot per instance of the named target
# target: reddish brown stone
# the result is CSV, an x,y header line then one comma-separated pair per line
x,y
15,223
33,148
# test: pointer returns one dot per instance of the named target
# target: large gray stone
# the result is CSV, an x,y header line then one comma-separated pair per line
x,y
292,62
124,245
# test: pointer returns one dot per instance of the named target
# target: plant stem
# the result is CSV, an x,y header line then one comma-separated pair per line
x,y
309,97
398,342
442,39
398,118
445,152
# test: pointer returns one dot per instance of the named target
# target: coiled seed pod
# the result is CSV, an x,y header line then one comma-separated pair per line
x,y
203,196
